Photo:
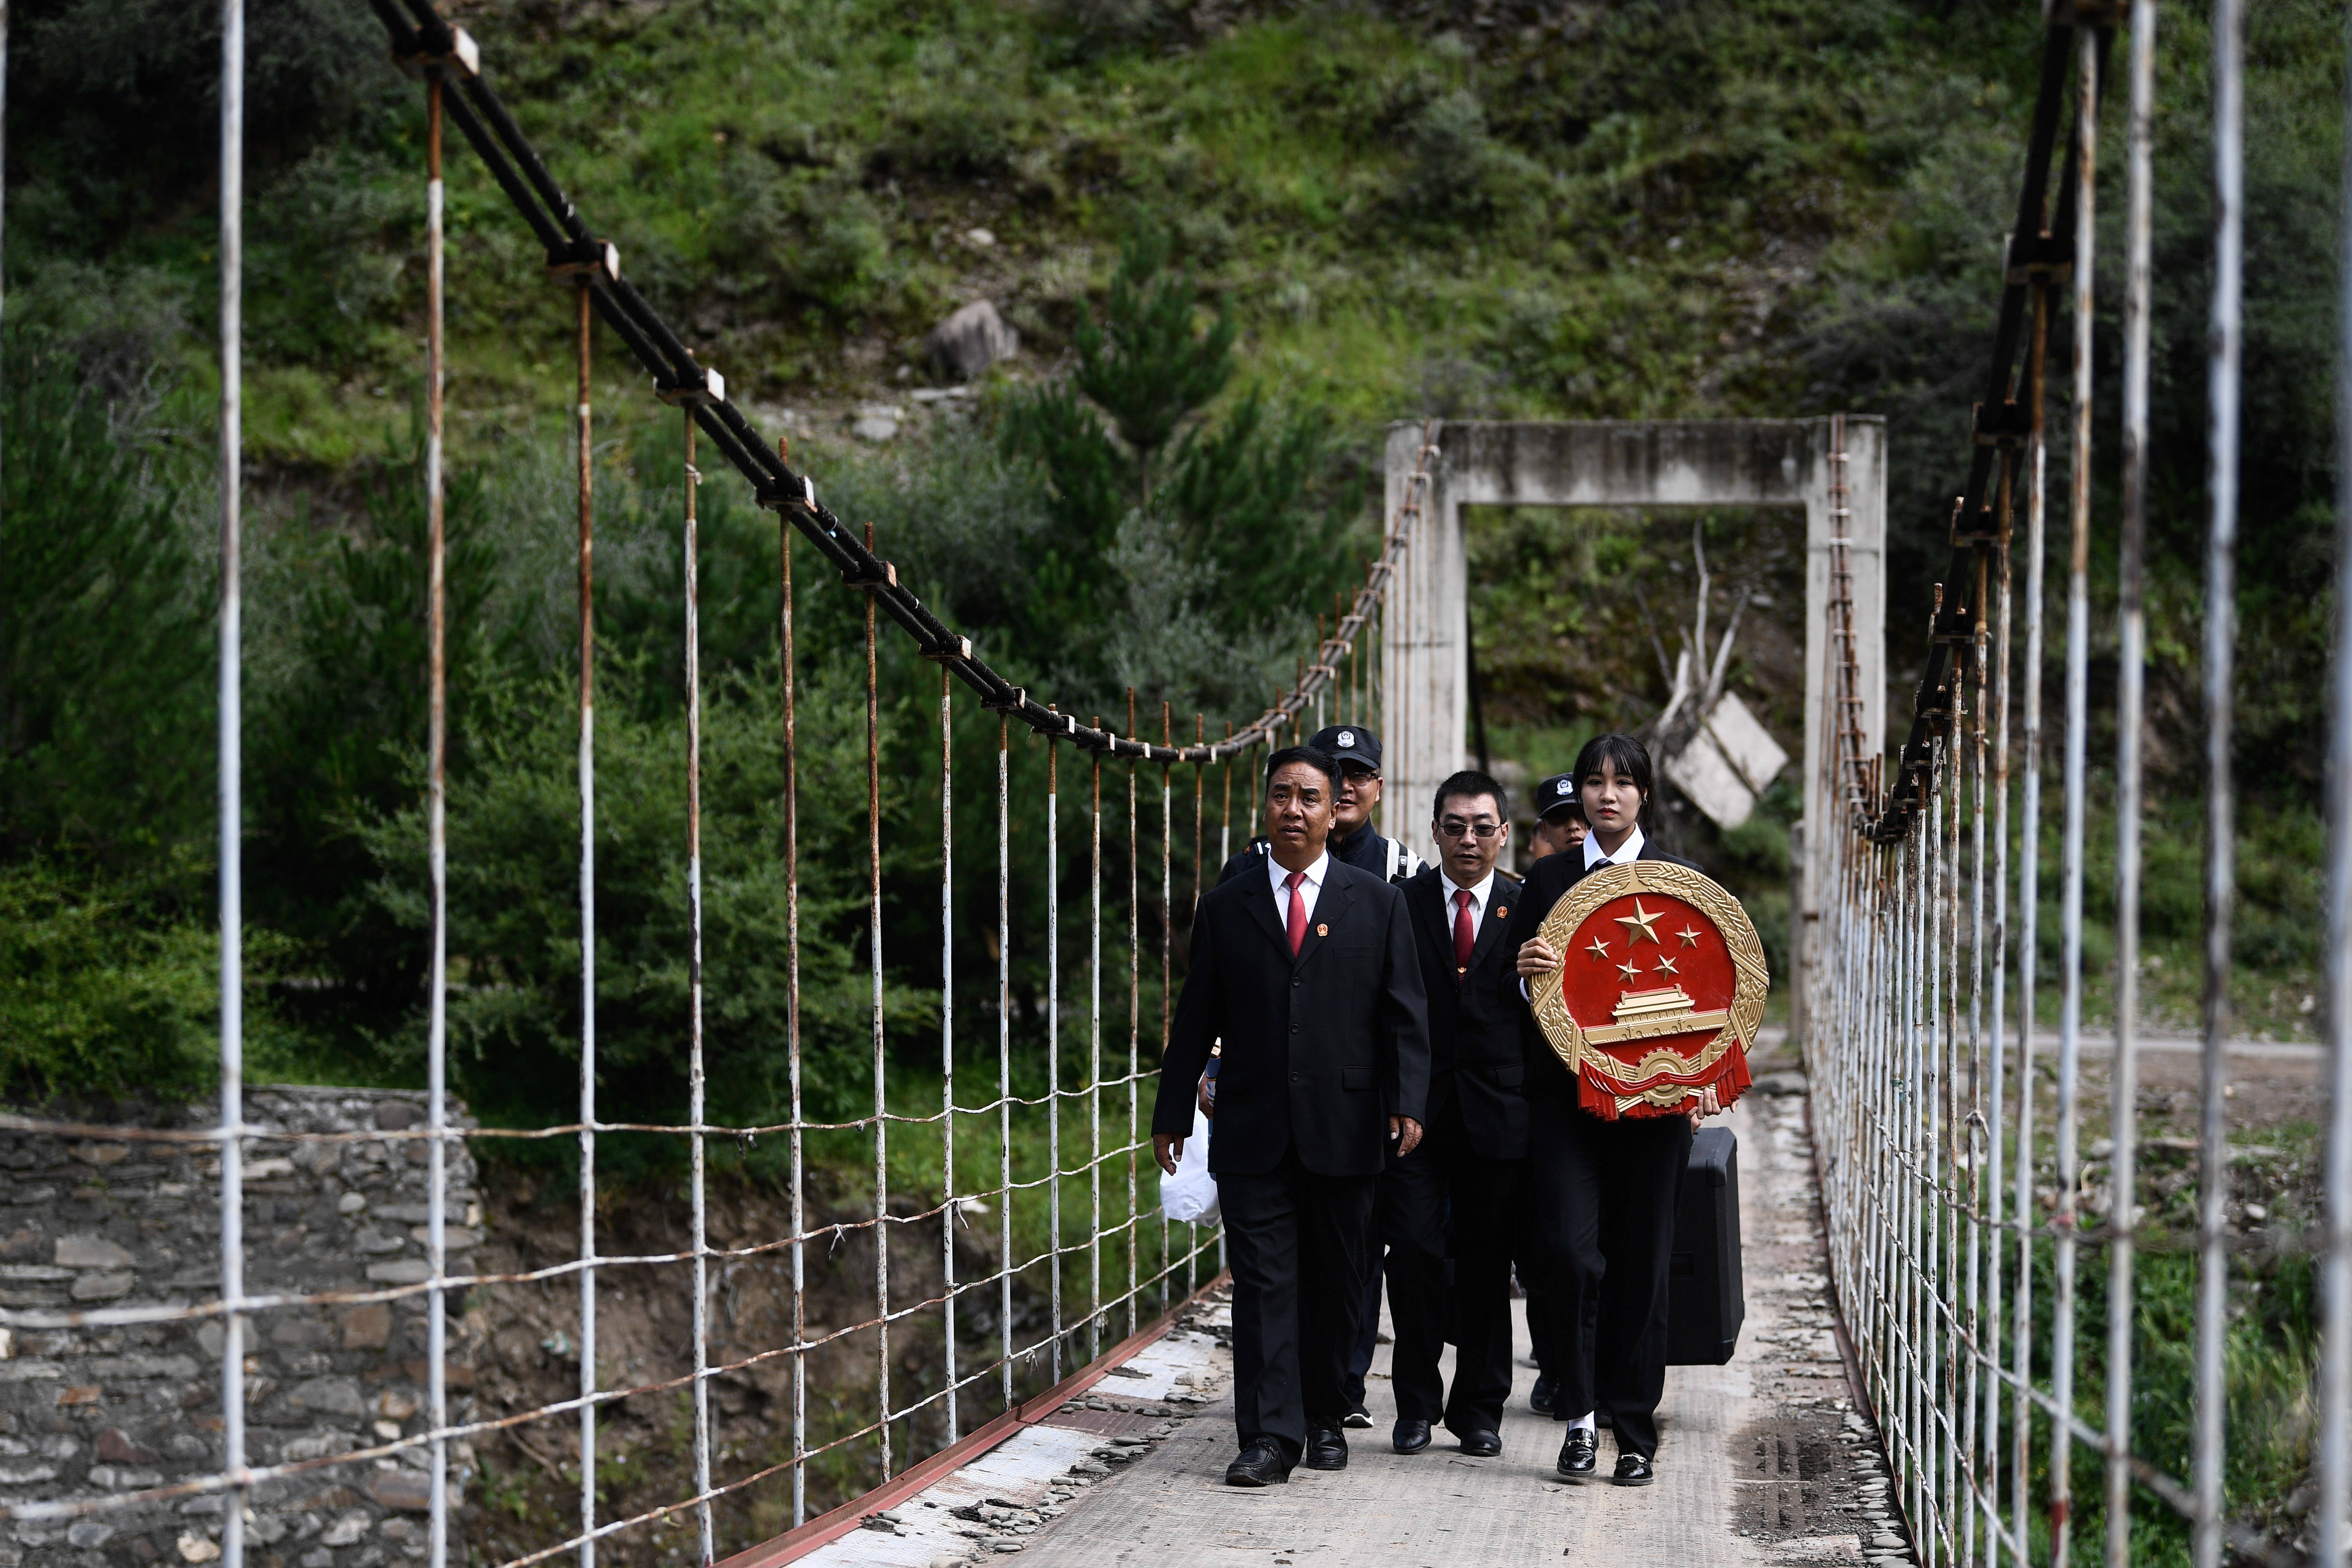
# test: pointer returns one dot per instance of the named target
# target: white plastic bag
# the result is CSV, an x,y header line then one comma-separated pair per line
x,y
1191,1193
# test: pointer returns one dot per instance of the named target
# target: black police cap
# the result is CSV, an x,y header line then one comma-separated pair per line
x,y
1352,745
1557,795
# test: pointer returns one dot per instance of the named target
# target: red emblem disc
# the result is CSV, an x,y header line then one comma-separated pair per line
x,y
1660,989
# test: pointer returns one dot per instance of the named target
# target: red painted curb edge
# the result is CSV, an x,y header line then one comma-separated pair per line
x,y
829,1527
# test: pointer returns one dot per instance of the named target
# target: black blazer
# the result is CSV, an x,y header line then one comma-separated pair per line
x,y
1476,1060
1319,1050
1548,880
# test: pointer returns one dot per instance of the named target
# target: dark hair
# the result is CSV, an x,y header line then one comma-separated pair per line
x,y
1629,756
1467,783
1320,760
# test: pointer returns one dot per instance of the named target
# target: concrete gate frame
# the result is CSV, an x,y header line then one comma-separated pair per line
x,y
1615,463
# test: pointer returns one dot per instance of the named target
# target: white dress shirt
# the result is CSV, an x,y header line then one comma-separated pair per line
x,y
1308,889
1629,850
1480,896
1593,855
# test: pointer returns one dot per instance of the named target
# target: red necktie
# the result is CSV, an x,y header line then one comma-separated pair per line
x,y
1298,911
1466,933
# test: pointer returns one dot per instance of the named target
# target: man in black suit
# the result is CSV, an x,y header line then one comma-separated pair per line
x,y
1603,1192
1475,1154
1354,841
1307,974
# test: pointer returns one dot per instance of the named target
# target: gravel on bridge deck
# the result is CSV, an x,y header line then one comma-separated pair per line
x,y
1762,1461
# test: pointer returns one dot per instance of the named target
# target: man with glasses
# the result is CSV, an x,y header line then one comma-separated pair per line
x,y
1471,1161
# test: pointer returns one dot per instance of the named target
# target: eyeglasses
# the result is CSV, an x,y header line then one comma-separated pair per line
x,y
1453,828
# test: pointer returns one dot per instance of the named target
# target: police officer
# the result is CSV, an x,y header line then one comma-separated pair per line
x,y
1559,817
1353,840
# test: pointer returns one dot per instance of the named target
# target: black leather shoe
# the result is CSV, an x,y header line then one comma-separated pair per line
x,y
1541,1397
1412,1437
1632,1470
1359,1418
1327,1447
1578,1456
1481,1445
1260,1465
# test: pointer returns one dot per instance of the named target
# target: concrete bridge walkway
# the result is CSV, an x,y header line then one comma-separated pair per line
x,y
1763,1461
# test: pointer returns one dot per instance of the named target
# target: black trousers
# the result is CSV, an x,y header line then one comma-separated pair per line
x,y
1604,1203
1488,1199
1298,1243
1448,1224
1411,1250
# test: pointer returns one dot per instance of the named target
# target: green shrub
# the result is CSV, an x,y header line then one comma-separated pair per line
x,y
103,989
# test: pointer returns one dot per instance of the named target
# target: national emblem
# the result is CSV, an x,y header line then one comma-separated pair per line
x,y
1642,1041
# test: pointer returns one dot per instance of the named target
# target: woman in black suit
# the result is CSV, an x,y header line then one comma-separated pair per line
x,y
1604,1190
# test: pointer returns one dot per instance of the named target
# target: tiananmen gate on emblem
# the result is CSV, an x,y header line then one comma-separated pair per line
x,y
1659,992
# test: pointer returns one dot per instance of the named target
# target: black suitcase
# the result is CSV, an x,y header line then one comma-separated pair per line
x,y
1705,1301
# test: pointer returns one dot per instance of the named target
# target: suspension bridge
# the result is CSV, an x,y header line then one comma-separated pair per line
x,y
1923,1216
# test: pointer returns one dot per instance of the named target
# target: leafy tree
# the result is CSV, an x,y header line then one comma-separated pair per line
x,y
1136,466
106,649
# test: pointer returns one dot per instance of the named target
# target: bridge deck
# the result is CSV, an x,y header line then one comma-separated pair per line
x,y
1762,1461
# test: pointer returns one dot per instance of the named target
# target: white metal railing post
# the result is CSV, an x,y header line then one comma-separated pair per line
x,y
2123,1079
1054,1045
790,653
1134,1015
437,1331
948,1211
2029,903
2221,639
1093,1082
2070,868
696,1085
1996,1098
587,769
881,1085
231,766
1004,1042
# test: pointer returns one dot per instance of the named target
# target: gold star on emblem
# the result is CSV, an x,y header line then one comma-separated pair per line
x,y
1598,949
1689,936
1629,972
1666,966
1638,923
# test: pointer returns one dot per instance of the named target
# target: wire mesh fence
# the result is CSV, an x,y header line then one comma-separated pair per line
x,y
2002,1282
1968,1223
1011,1221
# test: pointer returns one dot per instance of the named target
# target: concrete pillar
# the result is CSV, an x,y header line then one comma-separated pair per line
x,y
1601,463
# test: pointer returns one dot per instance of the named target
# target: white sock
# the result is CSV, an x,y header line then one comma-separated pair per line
x,y
1582,1424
